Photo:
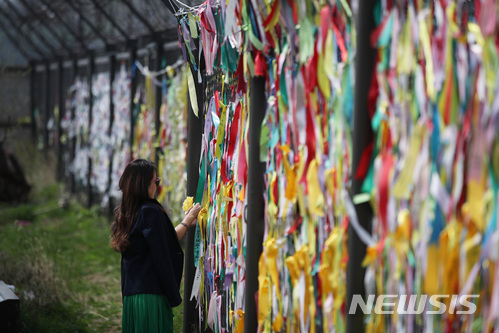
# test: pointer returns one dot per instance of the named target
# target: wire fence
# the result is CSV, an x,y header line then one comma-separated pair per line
x,y
97,114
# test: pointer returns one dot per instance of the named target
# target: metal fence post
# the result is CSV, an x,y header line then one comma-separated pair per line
x,y
34,125
91,67
47,111
255,204
158,94
112,70
362,135
62,108
133,89
194,136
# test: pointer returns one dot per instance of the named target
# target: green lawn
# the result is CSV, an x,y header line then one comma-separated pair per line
x,y
59,259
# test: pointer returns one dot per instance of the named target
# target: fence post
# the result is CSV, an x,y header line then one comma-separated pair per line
x,y
34,125
112,70
255,205
47,107
62,108
73,140
194,136
158,94
90,105
133,89
362,135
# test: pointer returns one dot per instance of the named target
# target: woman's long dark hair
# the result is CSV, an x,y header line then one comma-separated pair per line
x,y
134,183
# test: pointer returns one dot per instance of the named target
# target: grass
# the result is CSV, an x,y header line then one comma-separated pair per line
x,y
59,259
60,262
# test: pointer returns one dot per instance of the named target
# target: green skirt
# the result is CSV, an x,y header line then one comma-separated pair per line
x,y
147,313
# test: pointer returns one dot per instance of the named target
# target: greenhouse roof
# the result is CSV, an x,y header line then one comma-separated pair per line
x,y
45,30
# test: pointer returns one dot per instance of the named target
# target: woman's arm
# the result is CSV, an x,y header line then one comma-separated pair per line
x,y
189,221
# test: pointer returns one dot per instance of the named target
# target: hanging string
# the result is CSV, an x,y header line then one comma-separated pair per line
x,y
147,73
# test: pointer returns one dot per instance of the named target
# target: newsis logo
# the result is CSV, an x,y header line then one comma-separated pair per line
x,y
413,304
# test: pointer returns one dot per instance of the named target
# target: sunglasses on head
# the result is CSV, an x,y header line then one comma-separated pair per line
x,y
158,181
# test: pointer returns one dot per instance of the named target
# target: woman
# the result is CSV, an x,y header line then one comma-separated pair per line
x,y
151,257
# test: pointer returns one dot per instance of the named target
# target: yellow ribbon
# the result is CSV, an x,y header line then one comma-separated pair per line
x,y
425,41
315,196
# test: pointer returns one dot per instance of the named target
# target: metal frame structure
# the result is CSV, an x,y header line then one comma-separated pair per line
x,y
110,19
89,23
13,40
140,17
21,33
35,31
65,25
49,27
47,35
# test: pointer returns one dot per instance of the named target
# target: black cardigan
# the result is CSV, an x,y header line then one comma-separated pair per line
x,y
154,260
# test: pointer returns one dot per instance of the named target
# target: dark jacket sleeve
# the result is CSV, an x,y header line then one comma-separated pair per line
x,y
165,250
123,277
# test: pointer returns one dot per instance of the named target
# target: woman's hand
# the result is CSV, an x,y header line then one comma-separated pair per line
x,y
192,215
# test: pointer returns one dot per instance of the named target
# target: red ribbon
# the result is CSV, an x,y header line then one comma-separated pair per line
x,y
372,95
364,162
234,129
217,104
325,12
341,44
243,167
273,12
260,65
310,143
383,187
241,84
292,4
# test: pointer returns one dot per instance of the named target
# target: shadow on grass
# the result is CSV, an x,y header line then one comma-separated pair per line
x,y
56,317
